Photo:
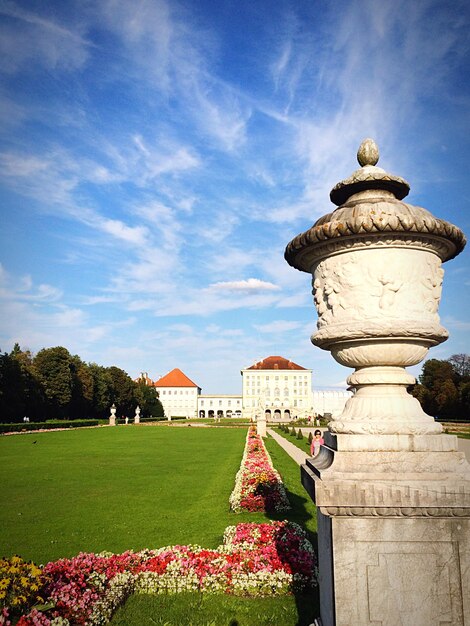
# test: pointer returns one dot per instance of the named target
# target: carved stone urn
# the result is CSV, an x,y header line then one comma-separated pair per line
x,y
112,417
392,492
376,266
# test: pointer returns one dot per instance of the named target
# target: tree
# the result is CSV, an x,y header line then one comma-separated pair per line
x,y
102,389
146,397
82,389
122,391
53,369
460,364
444,387
20,392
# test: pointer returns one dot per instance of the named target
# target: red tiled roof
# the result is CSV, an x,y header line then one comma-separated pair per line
x,y
175,378
275,363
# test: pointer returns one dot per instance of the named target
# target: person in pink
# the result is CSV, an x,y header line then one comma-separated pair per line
x,y
317,441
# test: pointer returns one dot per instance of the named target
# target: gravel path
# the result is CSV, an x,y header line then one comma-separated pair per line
x,y
291,449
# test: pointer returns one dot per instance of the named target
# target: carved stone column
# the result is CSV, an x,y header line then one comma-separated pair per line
x,y
393,493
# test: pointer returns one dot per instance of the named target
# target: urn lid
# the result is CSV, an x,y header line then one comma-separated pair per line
x,y
371,208
369,176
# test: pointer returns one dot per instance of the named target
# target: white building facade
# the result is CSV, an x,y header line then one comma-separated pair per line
x,y
178,394
279,388
275,386
217,406
330,401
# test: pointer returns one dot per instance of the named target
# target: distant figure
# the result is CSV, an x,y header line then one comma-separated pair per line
x,y
127,420
317,441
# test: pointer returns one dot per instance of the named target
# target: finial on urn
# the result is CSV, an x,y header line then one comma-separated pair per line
x,y
368,153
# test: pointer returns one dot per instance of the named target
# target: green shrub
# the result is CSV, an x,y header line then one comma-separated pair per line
x,y
292,432
300,435
310,437
23,427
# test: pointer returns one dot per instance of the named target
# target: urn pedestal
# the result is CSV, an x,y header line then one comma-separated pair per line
x,y
261,424
392,492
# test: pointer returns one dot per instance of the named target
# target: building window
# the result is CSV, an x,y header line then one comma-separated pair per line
x,y
230,403
210,403
202,402
220,402
276,378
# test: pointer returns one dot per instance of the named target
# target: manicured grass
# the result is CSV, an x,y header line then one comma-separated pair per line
x,y
142,487
128,487
303,511
302,444
193,609
217,610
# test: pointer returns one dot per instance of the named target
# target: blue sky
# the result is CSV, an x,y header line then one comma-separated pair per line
x,y
157,156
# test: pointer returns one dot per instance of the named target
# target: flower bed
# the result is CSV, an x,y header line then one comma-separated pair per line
x,y
255,559
258,486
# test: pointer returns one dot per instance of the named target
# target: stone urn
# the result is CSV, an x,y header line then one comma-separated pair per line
x,y
112,417
376,264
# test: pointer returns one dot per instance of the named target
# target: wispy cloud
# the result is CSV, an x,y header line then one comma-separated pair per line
x,y
250,285
29,39
278,326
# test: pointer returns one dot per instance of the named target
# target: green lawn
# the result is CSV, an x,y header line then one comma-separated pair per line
x,y
193,609
116,488
302,444
142,487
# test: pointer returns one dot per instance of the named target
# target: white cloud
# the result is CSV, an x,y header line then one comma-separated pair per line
x,y
452,322
278,326
136,235
28,39
253,285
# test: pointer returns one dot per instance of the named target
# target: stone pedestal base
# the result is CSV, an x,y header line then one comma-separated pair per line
x,y
393,530
394,572
261,425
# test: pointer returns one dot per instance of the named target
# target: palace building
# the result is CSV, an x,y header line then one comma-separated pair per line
x,y
275,386
178,394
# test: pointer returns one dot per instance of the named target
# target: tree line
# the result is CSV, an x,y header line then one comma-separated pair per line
x,y
54,384
444,388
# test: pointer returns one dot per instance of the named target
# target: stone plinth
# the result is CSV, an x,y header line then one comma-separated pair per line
x,y
261,424
393,530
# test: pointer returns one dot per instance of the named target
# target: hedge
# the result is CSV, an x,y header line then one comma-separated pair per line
x,y
25,426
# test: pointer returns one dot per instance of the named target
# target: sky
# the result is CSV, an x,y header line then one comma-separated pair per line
x,y
156,157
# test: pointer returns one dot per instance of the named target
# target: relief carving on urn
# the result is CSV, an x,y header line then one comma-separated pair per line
x,y
377,279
